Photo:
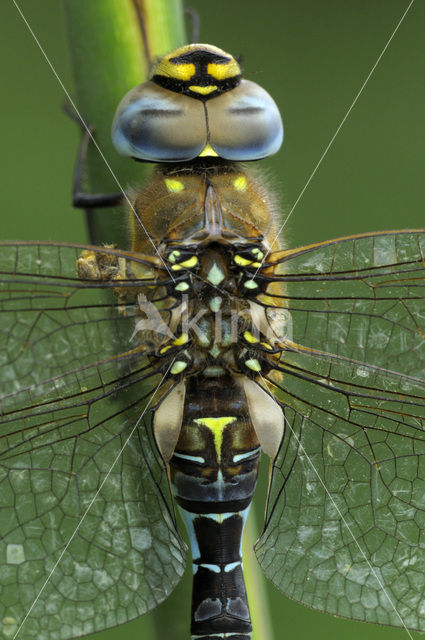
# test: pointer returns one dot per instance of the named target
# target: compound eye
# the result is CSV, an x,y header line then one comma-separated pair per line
x,y
155,124
244,123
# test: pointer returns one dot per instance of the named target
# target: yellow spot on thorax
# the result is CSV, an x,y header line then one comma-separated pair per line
x,y
240,183
174,255
173,186
253,364
241,261
266,345
250,284
217,427
190,262
165,349
187,264
258,253
178,367
249,337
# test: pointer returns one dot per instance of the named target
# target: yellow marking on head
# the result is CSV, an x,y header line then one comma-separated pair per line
x,y
223,71
204,91
176,267
240,183
217,427
174,186
249,337
181,339
181,71
256,264
208,151
185,70
242,262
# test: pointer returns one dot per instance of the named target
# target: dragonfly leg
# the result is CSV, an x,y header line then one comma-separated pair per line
x,y
80,198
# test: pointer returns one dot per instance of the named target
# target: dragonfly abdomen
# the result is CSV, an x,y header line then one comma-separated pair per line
x,y
214,472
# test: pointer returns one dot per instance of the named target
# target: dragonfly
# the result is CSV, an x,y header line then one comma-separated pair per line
x,y
331,349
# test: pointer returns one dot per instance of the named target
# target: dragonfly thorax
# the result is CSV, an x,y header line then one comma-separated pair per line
x,y
213,321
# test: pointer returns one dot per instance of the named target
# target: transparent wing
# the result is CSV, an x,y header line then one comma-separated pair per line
x,y
88,534
345,518
361,297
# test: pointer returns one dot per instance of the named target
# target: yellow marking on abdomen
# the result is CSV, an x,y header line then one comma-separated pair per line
x,y
216,426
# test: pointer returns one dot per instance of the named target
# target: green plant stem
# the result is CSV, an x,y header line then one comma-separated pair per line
x,y
112,44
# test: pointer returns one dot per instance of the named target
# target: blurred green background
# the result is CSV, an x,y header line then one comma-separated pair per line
x,y
313,56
